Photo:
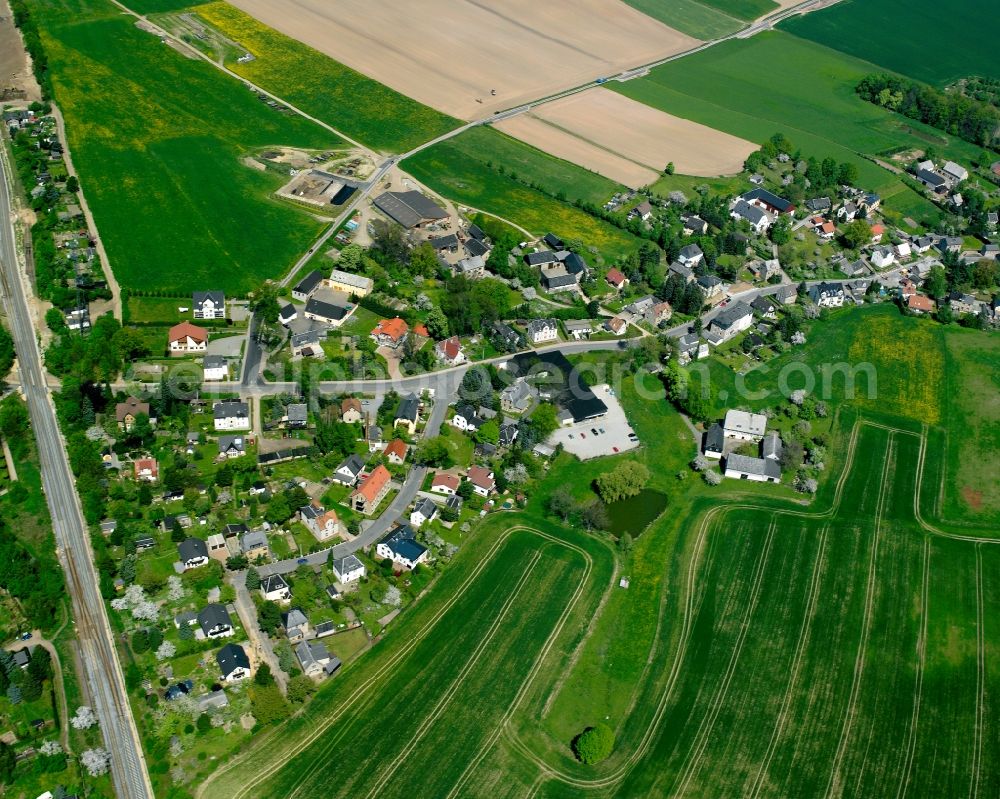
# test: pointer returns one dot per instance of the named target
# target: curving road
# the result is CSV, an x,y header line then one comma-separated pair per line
x,y
102,673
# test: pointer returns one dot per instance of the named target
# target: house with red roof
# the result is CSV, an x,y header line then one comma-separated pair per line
x,y
186,338
147,469
616,278
445,484
395,451
390,332
450,352
482,479
919,304
371,491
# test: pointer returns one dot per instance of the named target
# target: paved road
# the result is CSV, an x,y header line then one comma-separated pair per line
x,y
102,673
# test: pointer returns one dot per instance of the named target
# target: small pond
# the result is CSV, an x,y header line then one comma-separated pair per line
x,y
634,514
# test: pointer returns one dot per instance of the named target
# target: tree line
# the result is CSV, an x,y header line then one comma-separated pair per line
x,y
957,114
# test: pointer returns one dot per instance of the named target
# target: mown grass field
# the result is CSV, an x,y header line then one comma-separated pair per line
x,y
894,35
466,169
354,104
157,139
806,92
689,16
743,9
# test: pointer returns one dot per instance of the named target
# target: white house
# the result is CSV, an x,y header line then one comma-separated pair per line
x,y
745,426
348,471
543,330
350,411
193,553
233,663
691,255
348,569
214,621
827,295
955,172
482,480
445,484
215,367
449,351
757,218
186,338
424,511
322,523
275,589
209,305
231,415
883,257
466,418
729,323
760,470
401,547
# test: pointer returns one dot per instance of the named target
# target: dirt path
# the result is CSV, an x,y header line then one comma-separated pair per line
x,y
116,292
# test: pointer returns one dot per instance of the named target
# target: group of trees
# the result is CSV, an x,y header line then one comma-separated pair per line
x,y
473,305
962,116
35,579
25,685
625,480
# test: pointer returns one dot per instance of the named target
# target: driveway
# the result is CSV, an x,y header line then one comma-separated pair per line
x,y
230,346
259,642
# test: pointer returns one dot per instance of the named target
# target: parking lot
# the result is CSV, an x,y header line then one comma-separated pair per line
x,y
607,435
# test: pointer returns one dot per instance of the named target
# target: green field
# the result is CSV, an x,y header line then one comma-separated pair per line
x,y
467,169
158,140
157,6
894,34
358,106
743,9
806,92
816,688
689,16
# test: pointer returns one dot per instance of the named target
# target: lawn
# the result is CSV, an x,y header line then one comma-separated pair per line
x,y
891,33
465,171
807,93
158,140
358,106
694,18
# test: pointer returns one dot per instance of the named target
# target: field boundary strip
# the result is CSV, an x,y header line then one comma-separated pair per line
x,y
391,662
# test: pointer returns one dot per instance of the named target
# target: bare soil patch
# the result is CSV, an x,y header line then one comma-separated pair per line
x,y
626,140
973,498
473,57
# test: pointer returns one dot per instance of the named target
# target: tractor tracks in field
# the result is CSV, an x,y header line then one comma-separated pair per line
x,y
800,648
918,686
834,787
977,741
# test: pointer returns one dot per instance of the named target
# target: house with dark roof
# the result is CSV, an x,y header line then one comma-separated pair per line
x,y
679,269
757,218
295,623
745,467
730,322
209,305
274,588
407,414
215,367
691,255
349,469
768,201
306,344
506,337
193,553
287,313
466,418
542,258
827,295
232,446
325,312
401,547
424,511
714,441
409,209
348,569
214,621
315,659
233,663
231,415
766,307
305,287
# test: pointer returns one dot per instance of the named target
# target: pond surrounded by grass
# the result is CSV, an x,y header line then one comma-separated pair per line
x,y
634,514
